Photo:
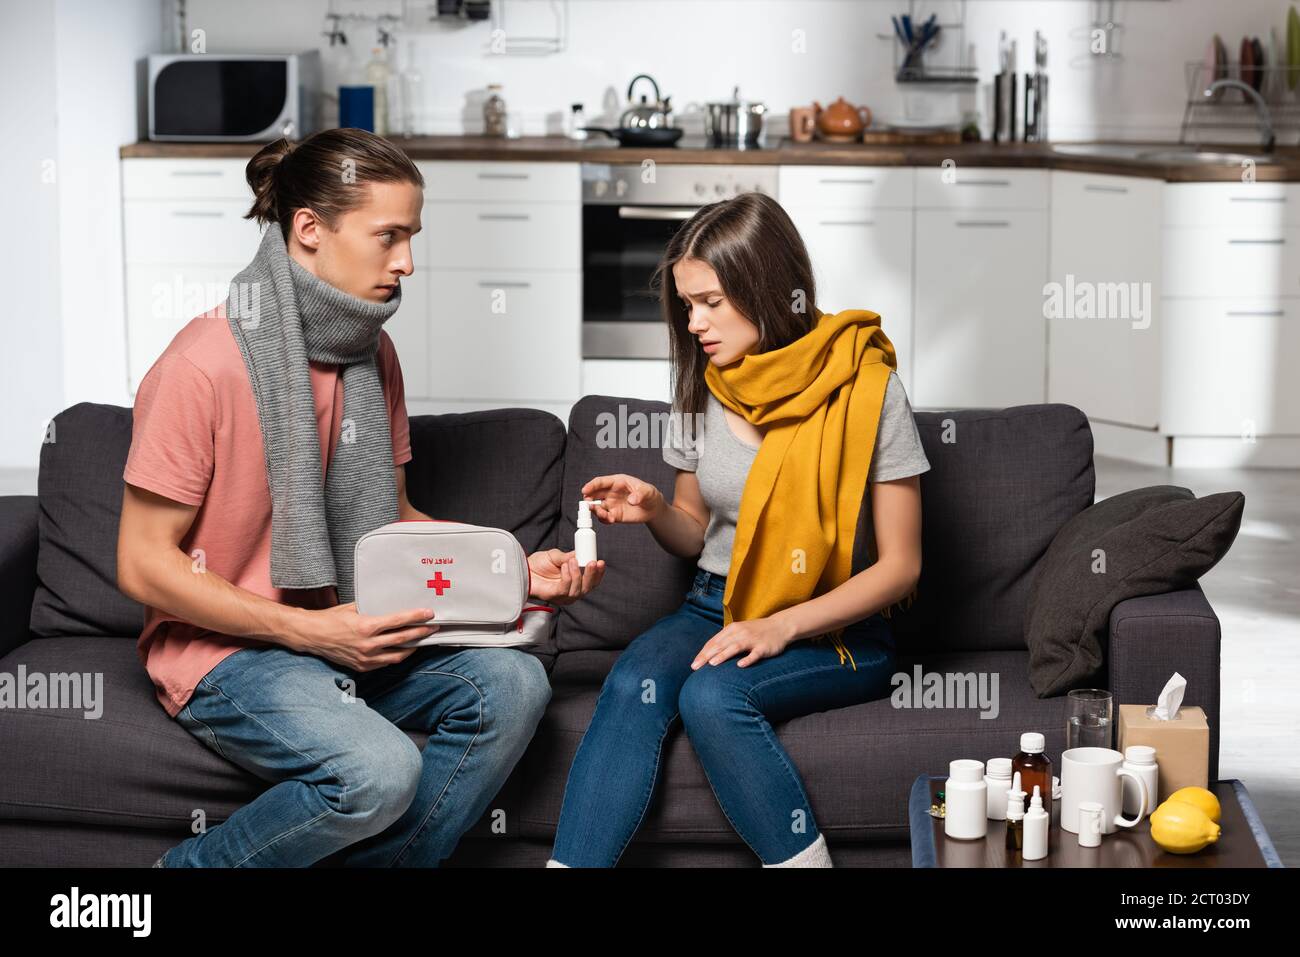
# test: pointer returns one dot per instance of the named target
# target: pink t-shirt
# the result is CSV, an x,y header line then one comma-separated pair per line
x,y
197,440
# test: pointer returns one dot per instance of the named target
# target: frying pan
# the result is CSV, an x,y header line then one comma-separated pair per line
x,y
640,136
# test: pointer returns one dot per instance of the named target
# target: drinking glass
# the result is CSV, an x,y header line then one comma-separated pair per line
x,y
1088,718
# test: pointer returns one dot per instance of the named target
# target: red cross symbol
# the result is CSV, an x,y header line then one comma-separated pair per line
x,y
438,582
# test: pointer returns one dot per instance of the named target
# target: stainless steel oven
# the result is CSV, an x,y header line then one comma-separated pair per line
x,y
629,212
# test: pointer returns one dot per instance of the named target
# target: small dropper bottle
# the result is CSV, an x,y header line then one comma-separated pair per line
x,y
584,539
1036,822
1015,815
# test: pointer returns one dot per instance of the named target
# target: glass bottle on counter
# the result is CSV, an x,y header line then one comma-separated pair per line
x,y
577,120
377,74
1034,767
494,112
409,97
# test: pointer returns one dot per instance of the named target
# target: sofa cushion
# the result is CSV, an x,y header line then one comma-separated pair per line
x,y
642,582
132,766
500,468
1000,486
857,763
79,490
1142,542
497,467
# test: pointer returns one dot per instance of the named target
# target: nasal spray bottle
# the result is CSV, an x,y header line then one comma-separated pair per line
x,y
1036,826
584,540
1015,815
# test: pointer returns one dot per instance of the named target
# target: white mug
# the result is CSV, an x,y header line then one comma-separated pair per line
x,y
1094,774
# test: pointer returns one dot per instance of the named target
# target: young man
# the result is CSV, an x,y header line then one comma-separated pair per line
x,y
269,435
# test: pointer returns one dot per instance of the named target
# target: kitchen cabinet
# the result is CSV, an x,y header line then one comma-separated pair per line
x,y
1228,369
1105,244
1232,204
208,231
1231,308
846,187
500,182
981,266
857,225
160,178
518,234
504,283
184,239
495,335
968,188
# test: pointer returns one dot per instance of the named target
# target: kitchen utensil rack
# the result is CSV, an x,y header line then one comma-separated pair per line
x,y
952,34
1233,113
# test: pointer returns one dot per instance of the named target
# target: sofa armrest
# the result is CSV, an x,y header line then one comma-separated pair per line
x,y
18,540
1152,637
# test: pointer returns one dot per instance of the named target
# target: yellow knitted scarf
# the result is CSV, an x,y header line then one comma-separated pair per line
x,y
820,398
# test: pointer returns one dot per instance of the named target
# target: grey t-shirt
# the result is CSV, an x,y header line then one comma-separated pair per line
x,y
722,461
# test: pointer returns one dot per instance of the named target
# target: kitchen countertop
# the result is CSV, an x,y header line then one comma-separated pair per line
x,y
598,149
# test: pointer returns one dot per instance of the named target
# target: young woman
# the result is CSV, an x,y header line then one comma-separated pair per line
x,y
802,414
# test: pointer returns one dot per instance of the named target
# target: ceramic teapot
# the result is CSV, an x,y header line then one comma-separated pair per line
x,y
841,121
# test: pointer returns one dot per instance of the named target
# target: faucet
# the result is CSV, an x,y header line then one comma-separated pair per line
x,y
1261,108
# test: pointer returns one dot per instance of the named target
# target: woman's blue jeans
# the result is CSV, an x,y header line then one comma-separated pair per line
x,y
727,712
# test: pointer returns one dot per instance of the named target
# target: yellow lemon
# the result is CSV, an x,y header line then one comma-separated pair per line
x,y
1182,828
1200,797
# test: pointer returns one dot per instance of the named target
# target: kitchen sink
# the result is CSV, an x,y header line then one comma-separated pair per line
x,y
1205,157
1108,150
1140,153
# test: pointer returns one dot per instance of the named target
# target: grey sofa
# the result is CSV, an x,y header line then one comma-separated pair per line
x,y
119,789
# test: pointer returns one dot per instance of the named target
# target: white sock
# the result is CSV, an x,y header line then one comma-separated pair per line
x,y
554,863
814,855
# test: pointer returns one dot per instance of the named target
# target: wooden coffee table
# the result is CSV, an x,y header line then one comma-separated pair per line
x,y
1242,843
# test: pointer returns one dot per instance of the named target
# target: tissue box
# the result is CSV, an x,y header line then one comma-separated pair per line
x,y
1182,745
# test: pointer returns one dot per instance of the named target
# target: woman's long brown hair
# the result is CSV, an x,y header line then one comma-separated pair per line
x,y
764,270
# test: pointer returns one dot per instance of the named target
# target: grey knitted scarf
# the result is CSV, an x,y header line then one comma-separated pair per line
x,y
282,316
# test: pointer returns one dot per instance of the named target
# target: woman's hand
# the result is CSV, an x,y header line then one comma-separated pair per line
x,y
557,578
761,637
624,498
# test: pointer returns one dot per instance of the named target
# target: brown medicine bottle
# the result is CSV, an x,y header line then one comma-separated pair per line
x,y
1035,767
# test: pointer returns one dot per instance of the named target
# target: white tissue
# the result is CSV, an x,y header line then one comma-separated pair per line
x,y
1171,699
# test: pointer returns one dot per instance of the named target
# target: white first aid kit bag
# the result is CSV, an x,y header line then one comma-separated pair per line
x,y
476,580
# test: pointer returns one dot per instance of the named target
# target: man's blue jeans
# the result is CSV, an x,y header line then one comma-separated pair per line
x,y
727,712
345,778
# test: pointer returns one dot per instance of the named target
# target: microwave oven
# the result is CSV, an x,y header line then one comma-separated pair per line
x,y
236,97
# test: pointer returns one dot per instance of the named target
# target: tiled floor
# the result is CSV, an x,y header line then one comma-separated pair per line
x,y
1256,592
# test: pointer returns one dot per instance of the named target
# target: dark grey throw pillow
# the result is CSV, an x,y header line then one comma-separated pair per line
x,y
79,488
1144,542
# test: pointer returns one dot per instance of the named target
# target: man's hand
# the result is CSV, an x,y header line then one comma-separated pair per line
x,y
761,637
557,578
361,642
